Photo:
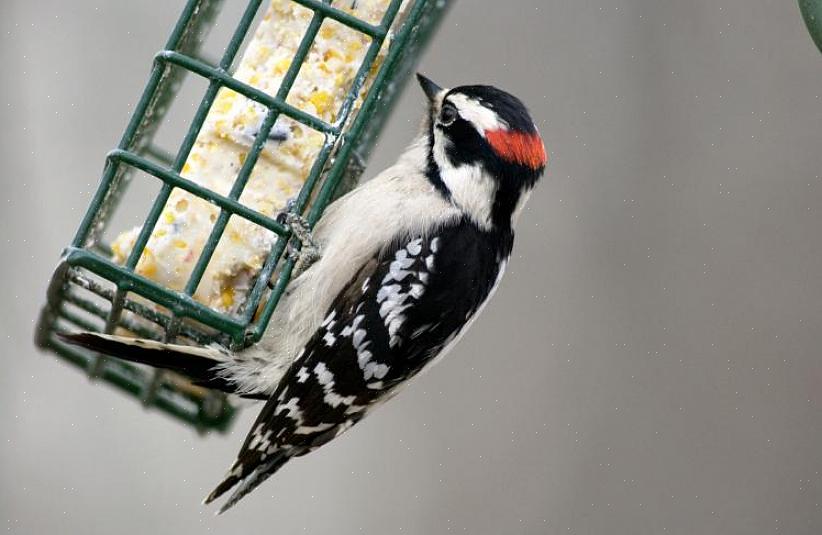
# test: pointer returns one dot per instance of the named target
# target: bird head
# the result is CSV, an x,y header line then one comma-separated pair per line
x,y
484,151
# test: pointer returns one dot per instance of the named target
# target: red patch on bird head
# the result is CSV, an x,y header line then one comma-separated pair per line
x,y
523,148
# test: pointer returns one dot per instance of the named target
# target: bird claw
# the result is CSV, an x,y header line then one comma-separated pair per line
x,y
307,251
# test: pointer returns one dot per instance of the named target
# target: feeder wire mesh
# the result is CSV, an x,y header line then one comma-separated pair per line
x,y
90,291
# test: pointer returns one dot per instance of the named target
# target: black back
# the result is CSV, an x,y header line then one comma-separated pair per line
x,y
432,284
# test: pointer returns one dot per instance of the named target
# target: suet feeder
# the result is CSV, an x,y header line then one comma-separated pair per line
x,y
101,287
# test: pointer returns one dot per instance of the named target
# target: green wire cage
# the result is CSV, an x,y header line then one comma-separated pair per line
x,y
89,291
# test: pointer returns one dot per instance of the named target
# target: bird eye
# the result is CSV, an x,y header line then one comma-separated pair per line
x,y
448,114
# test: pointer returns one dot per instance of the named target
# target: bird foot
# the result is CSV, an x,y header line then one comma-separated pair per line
x,y
305,251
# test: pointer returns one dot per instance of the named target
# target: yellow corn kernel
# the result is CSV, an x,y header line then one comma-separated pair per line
x,y
148,266
281,66
227,297
117,251
263,53
248,117
353,47
327,31
235,236
332,53
180,244
222,105
321,101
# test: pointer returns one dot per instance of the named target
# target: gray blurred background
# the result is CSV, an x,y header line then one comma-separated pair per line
x,y
650,365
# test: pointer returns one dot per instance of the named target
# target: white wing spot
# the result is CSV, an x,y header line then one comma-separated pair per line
x,y
326,380
257,436
397,268
349,329
417,290
292,408
429,262
363,358
328,319
375,370
359,336
414,247
309,429
392,291
324,375
394,324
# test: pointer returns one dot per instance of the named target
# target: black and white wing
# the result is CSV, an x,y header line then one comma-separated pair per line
x,y
403,307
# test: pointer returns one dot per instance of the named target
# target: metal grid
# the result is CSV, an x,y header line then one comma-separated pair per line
x,y
89,291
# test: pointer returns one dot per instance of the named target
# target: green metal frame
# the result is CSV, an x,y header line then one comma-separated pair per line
x,y
87,276
812,13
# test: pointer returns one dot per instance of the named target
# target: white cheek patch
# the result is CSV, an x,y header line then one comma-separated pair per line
x,y
483,118
472,190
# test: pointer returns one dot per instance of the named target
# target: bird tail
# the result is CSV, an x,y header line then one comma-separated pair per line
x,y
246,481
197,363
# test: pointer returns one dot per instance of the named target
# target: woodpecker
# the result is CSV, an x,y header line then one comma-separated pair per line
x,y
408,260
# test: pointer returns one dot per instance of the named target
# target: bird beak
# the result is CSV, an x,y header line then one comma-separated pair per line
x,y
430,89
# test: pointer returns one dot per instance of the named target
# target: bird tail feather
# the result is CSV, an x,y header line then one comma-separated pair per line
x,y
245,482
197,363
